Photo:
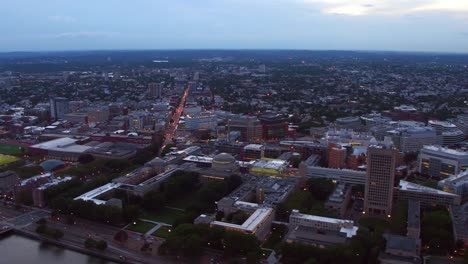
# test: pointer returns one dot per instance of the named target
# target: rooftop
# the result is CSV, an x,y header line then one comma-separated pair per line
x,y
446,150
257,147
409,186
350,231
251,223
270,164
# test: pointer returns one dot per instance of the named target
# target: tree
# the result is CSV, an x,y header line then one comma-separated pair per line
x,y
41,228
232,182
142,156
121,236
42,221
118,165
320,188
153,201
131,213
90,243
85,158
101,245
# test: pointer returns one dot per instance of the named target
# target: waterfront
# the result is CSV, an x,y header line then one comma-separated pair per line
x,y
18,249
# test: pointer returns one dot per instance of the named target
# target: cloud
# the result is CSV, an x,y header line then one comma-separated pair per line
x,y
84,34
62,19
390,7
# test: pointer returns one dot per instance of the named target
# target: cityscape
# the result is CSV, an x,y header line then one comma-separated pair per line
x,y
258,157
234,132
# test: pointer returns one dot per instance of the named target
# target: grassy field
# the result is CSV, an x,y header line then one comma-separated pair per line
x,y
428,183
306,203
9,149
276,236
166,215
375,224
162,232
5,159
140,227
185,201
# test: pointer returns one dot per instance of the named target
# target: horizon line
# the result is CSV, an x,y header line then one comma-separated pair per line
x,y
237,49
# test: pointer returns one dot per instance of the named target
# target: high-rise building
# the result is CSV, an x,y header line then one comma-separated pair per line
x,y
381,165
205,120
336,156
412,139
155,90
59,106
274,126
249,127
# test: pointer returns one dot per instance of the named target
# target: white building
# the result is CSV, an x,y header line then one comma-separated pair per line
x,y
442,162
59,106
257,224
412,139
205,120
457,184
318,230
339,175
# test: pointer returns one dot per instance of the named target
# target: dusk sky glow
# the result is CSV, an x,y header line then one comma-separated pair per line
x,y
399,25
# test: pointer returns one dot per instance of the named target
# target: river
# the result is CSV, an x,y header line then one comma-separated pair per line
x,y
17,249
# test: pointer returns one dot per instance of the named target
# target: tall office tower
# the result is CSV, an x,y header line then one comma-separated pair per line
x,y
262,68
381,165
59,106
155,90
196,76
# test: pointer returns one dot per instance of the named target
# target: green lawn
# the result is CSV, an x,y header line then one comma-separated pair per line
x,y
427,183
377,224
278,232
184,201
305,202
10,149
5,159
162,232
140,227
165,215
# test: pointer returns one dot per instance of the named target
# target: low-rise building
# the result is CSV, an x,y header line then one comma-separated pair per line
x,y
338,201
426,196
319,231
414,219
457,184
268,167
258,224
8,179
401,250
442,162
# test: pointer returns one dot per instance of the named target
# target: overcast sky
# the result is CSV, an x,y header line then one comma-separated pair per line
x,y
400,25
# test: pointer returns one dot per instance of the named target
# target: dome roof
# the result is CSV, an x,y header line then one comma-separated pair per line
x,y
224,158
52,164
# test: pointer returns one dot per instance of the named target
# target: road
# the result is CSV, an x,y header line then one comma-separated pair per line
x,y
172,127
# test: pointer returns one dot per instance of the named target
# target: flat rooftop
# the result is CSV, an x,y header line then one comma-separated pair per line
x,y
91,195
256,147
446,150
409,186
200,159
350,232
269,164
251,223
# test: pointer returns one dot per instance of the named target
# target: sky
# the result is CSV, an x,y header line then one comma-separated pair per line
x,y
394,25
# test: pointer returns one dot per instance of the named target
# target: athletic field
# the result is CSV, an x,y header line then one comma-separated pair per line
x,y
4,159
9,149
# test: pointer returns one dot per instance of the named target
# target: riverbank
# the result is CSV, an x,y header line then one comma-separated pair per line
x,y
63,244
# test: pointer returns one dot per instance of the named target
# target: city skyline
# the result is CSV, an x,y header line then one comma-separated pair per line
x,y
395,25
